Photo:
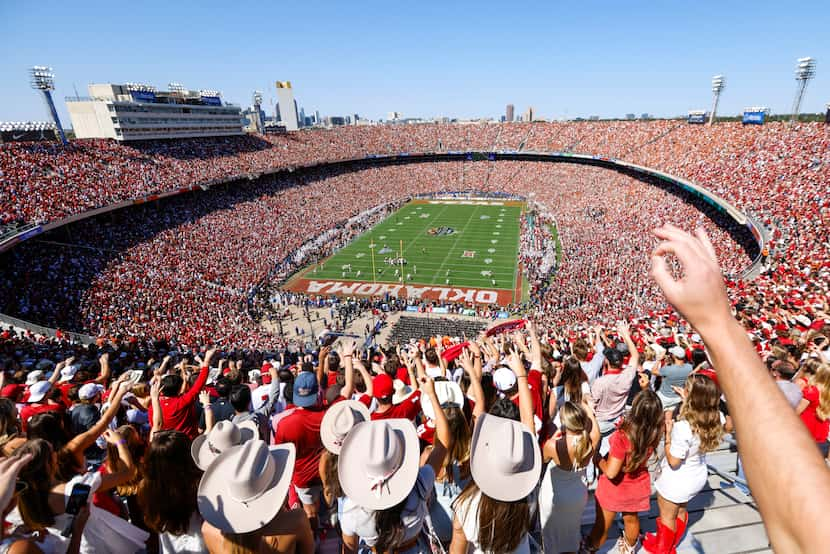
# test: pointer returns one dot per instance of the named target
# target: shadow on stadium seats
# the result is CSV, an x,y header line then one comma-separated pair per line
x,y
202,148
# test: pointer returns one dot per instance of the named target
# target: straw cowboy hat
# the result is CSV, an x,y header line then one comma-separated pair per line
x,y
448,393
505,460
245,488
379,463
225,434
339,420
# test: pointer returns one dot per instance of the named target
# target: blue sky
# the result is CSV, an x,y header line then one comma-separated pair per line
x,y
459,59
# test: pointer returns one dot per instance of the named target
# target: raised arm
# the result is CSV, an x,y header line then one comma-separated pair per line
x,y
83,441
106,370
793,503
625,332
442,428
467,361
525,398
155,398
193,392
347,357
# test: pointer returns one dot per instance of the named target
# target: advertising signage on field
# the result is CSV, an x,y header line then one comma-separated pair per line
x,y
754,118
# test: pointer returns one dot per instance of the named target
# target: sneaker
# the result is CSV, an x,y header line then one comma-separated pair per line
x,y
623,547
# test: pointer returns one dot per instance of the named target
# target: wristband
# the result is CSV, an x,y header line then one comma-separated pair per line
x,y
208,407
121,442
521,376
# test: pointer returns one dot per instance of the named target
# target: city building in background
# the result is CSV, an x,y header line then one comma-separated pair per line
x,y
141,112
509,113
287,106
528,114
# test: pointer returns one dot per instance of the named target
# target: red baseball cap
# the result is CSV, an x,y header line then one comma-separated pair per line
x,y
382,386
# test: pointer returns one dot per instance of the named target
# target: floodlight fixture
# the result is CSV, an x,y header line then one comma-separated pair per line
x,y
176,87
805,70
718,84
42,78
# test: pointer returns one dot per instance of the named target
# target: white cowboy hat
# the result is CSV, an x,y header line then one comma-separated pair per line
x,y
379,463
339,419
505,460
39,390
245,488
224,435
402,391
448,393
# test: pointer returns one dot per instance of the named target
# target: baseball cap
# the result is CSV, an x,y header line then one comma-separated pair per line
x,y
383,386
88,391
678,352
504,378
39,390
305,389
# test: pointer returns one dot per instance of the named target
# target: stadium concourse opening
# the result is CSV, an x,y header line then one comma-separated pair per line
x,y
443,249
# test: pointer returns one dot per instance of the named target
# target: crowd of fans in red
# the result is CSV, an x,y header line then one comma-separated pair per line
x,y
173,279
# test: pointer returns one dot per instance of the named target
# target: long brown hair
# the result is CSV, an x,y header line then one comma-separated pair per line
x,y
9,426
643,426
38,474
700,410
331,477
575,420
167,493
389,527
501,525
460,436
114,462
572,379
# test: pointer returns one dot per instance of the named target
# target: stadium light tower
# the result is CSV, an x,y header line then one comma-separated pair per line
x,y
42,79
804,71
718,84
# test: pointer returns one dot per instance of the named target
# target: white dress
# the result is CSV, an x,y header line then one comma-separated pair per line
x,y
467,513
191,542
682,484
562,499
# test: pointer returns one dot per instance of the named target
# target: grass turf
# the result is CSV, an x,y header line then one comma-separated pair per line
x,y
490,233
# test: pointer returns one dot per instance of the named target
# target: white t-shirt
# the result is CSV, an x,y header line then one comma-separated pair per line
x,y
467,514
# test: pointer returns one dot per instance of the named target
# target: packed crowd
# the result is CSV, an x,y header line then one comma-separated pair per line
x,y
489,444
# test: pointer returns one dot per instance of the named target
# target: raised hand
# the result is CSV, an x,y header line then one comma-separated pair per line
x,y
700,295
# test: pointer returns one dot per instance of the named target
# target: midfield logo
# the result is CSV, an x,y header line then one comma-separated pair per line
x,y
441,231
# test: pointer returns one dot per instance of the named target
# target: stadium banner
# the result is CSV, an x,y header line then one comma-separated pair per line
x,y
468,312
440,310
211,101
143,96
753,118
412,309
502,315
697,118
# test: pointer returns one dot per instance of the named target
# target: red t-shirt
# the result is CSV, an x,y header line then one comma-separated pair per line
x,y
302,428
408,409
30,410
534,381
627,492
179,412
817,427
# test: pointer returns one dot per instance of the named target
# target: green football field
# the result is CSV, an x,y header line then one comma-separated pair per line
x,y
444,243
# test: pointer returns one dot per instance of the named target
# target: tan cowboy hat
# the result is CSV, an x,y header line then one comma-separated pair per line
x,y
245,488
339,420
448,393
225,434
505,460
379,463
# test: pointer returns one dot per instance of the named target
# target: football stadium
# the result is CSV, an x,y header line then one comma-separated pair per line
x,y
255,328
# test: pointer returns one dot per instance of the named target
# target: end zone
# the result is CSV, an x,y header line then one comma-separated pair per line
x,y
497,297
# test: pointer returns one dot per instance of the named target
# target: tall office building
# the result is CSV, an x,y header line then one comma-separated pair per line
x,y
529,114
508,115
287,106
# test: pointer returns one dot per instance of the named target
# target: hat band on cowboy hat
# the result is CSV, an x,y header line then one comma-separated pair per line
x,y
224,435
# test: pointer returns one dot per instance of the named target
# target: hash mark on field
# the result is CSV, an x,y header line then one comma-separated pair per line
x,y
461,234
